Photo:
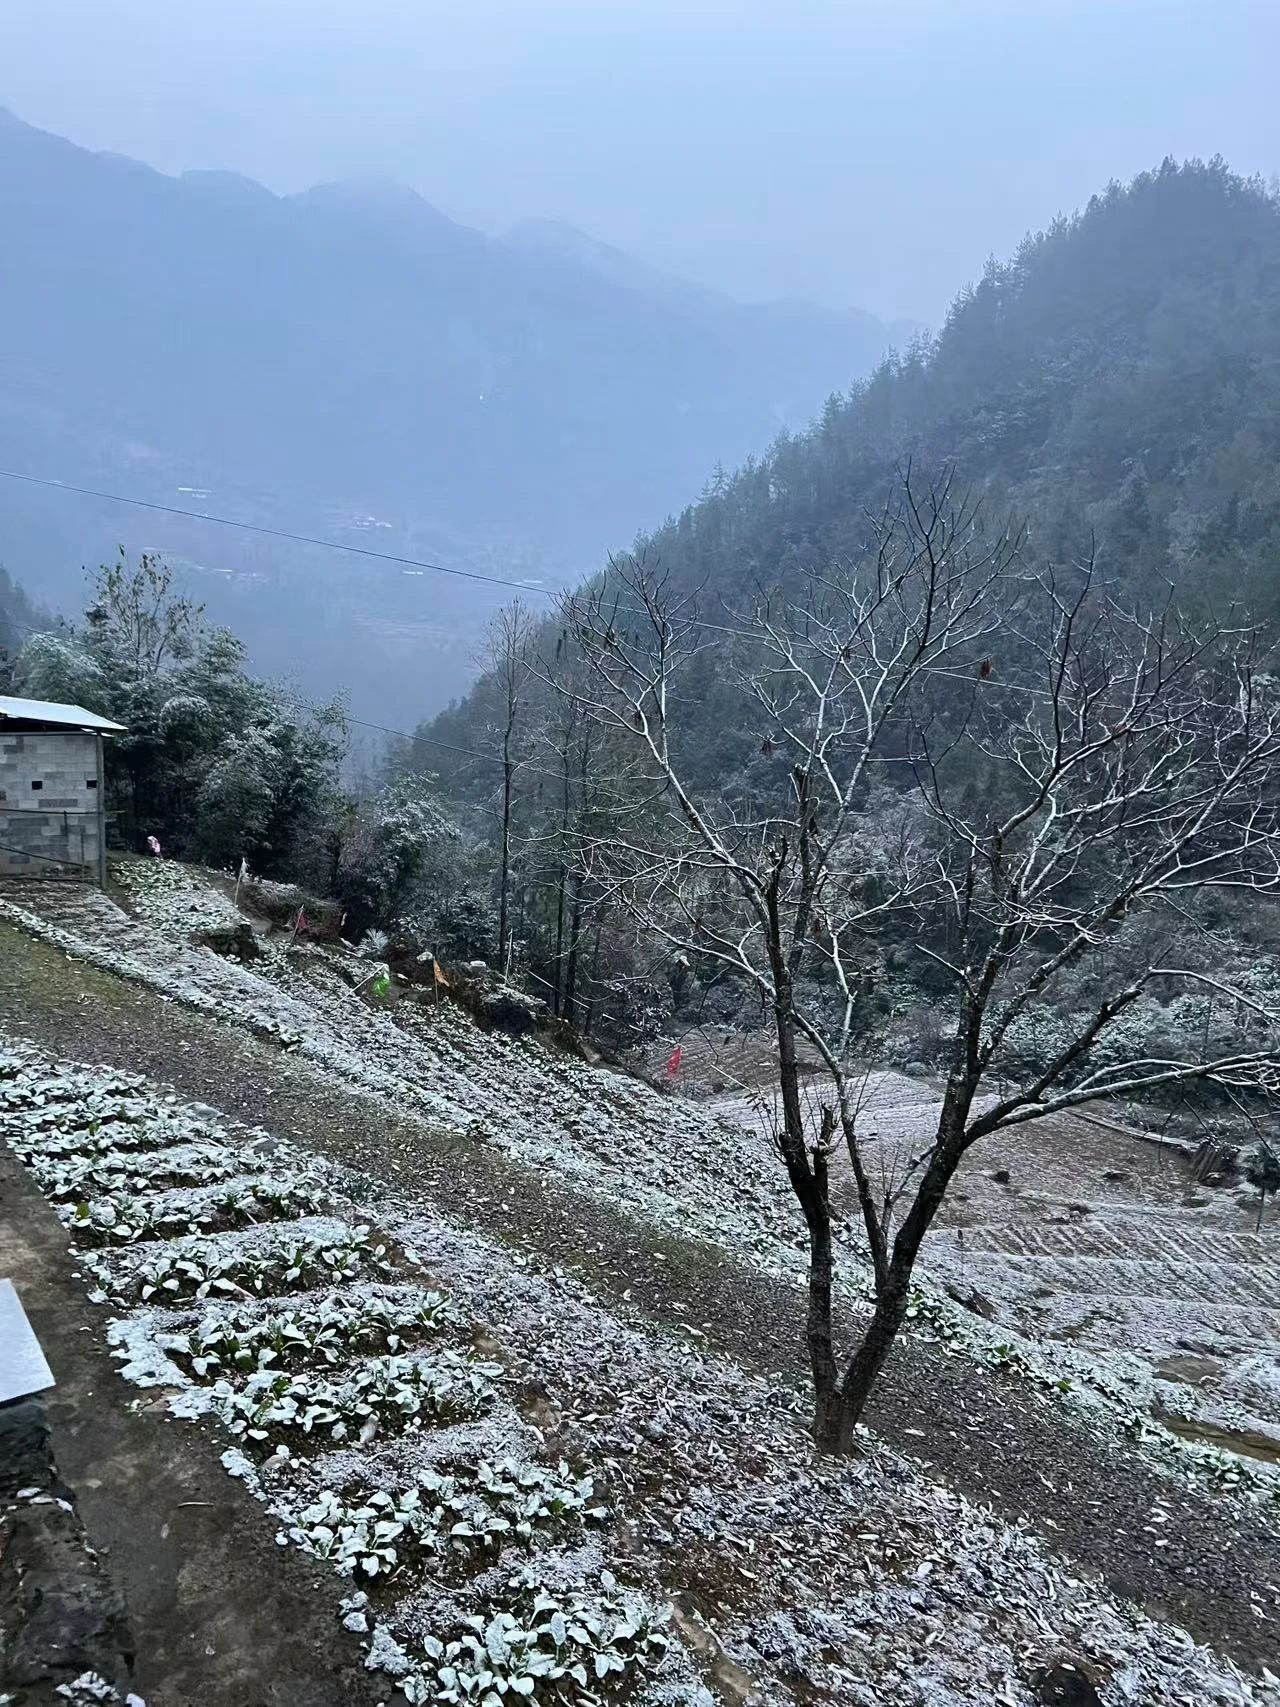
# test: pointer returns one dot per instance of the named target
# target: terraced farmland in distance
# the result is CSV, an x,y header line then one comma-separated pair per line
x,y
1073,1233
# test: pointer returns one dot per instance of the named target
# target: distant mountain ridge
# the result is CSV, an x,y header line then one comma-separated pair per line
x,y
351,351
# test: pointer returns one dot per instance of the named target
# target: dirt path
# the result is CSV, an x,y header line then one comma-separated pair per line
x,y
1180,1554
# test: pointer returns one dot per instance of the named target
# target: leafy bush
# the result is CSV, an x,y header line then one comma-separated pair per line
x,y
547,1648
390,1392
463,1513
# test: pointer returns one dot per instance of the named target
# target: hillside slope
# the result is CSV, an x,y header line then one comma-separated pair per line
x,y
667,1375
386,1384
1087,1211
1116,384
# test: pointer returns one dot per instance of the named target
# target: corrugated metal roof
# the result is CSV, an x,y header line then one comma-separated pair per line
x,y
48,711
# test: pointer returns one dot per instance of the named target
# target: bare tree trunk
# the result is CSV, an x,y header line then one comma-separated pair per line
x,y
504,927
865,1365
557,988
828,1401
589,1017
809,1182
569,1005
507,656
893,1294
562,884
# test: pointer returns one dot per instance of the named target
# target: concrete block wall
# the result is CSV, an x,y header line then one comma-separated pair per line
x,y
51,810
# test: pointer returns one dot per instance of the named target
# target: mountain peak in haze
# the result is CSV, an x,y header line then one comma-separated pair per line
x,y
352,352
554,240
374,194
221,183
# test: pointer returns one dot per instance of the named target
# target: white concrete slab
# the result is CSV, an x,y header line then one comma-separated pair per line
x,y
23,1367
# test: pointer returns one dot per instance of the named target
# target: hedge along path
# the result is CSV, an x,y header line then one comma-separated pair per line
x,y
990,1437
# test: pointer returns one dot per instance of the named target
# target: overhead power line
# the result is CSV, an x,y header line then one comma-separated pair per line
x,y
336,545
358,551
415,738
277,533
423,740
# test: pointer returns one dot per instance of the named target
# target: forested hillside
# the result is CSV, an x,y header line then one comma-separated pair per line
x,y
1109,396
1115,385
18,618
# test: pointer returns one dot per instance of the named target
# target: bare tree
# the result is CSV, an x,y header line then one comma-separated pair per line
x,y
506,660
572,741
1007,768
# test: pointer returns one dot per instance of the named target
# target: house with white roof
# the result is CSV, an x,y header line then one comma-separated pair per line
x,y
53,820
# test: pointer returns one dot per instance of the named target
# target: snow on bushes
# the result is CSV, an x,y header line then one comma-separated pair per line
x,y
327,1333
382,1394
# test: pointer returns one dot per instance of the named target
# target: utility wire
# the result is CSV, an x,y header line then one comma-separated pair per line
x,y
358,551
425,740
381,728
278,533
336,545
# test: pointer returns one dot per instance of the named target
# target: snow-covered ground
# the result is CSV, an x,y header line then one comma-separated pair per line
x,y
517,1484
1080,1236
1089,1250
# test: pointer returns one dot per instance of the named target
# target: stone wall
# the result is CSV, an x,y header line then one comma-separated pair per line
x,y
51,816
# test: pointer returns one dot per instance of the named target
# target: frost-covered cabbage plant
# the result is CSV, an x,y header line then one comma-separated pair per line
x,y
383,1395
189,1271
239,1341
573,1648
471,1511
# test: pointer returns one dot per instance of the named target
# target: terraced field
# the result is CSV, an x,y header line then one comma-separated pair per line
x,y
1074,1233
1089,1246
525,1497
304,1334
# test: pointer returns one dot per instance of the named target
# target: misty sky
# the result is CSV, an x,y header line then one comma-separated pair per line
x,y
871,153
